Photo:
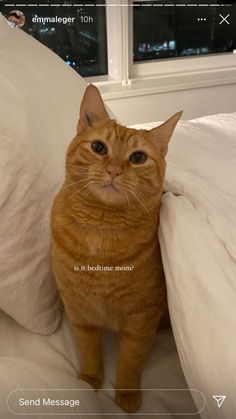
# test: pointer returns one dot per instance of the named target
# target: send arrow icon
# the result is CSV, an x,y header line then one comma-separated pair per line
x,y
219,400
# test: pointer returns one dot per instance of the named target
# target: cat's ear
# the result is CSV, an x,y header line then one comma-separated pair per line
x,y
161,135
92,108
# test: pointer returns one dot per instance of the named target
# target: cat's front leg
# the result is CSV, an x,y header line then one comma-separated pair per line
x,y
89,341
135,340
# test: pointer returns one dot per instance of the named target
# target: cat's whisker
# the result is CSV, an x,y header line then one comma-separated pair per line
x,y
144,207
74,183
140,194
130,184
87,192
138,190
79,175
127,199
79,168
81,172
76,165
76,192
76,173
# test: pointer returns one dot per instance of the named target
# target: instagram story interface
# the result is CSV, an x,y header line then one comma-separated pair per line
x,y
122,344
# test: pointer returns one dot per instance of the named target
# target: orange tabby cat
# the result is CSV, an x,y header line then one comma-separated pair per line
x,y
107,214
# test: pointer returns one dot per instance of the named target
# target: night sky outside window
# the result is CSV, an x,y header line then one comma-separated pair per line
x,y
81,42
179,30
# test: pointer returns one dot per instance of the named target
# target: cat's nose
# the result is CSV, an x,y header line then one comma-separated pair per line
x,y
113,171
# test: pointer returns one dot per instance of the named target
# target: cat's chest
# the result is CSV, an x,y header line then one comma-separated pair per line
x,y
95,241
103,243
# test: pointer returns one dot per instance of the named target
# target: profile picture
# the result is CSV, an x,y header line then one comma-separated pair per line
x,y
16,18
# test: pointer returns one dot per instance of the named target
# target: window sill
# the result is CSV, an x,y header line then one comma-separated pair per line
x,y
111,89
208,71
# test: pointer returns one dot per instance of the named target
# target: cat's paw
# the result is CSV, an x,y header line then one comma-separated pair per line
x,y
129,400
94,381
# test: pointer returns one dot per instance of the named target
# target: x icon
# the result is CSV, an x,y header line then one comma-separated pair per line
x,y
224,19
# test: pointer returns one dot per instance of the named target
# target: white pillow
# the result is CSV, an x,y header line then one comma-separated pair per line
x,y
198,242
39,101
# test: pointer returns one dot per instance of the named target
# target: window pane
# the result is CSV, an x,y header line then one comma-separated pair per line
x,y
76,34
162,31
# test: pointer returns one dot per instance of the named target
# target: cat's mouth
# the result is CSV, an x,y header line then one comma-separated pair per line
x,y
110,193
110,187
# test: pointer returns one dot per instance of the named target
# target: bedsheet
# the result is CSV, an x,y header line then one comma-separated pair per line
x,y
32,361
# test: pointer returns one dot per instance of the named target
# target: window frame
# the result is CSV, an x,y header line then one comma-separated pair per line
x,y
178,65
124,73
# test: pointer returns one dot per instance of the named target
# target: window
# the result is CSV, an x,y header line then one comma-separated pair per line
x,y
175,29
76,34
125,42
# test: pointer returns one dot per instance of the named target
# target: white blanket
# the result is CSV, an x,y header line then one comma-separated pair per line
x,y
198,242
30,361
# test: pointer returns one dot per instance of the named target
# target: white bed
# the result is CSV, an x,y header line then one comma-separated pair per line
x,y
197,235
31,361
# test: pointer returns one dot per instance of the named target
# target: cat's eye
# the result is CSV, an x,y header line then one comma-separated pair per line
x,y
99,147
138,157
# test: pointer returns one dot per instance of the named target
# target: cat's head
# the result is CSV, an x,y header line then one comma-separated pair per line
x,y
114,165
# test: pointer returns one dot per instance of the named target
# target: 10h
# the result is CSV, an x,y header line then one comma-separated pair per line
x,y
86,19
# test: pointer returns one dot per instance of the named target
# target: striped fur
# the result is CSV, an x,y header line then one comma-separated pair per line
x,y
95,224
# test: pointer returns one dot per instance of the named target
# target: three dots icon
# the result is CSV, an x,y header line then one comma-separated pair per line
x,y
201,19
